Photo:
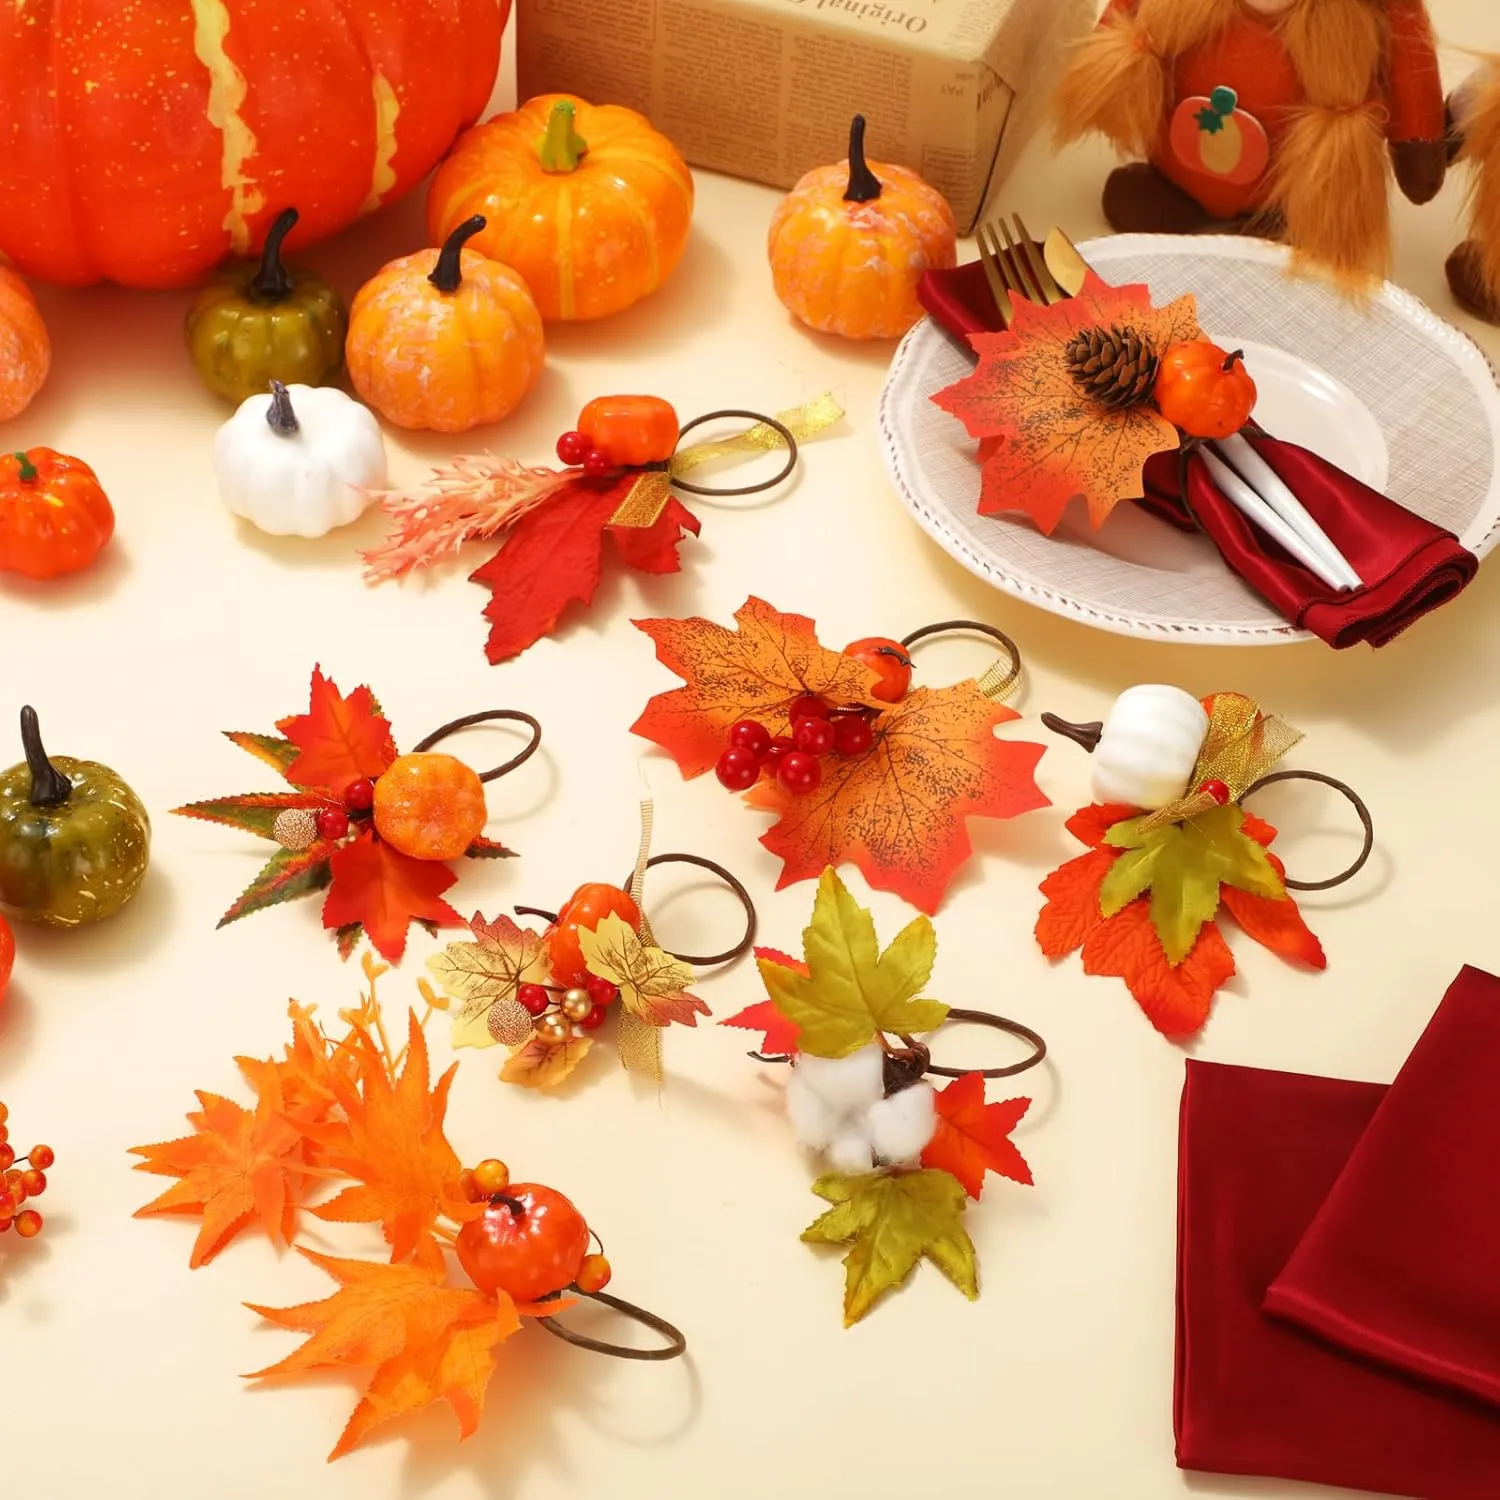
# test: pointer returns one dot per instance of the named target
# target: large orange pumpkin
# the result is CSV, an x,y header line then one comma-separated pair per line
x,y
143,142
25,350
587,203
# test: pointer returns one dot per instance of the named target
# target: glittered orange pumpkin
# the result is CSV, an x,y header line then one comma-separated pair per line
x,y
25,352
588,203
444,340
850,242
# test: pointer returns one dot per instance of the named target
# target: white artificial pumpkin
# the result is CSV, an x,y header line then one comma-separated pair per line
x,y
299,460
1148,747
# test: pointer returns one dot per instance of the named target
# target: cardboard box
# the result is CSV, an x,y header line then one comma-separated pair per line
x,y
765,89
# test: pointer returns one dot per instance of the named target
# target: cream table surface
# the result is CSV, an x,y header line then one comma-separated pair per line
x,y
119,1369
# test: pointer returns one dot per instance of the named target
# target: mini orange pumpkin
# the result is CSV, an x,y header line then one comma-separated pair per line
x,y
54,515
444,340
588,203
633,430
1203,390
25,351
849,244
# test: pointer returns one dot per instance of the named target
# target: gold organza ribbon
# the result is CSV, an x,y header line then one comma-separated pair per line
x,y
1239,748
648,496
640,1043
1001,678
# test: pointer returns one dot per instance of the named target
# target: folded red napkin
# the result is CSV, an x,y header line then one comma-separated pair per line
x,y
1409,565
1260,1152
1402,1261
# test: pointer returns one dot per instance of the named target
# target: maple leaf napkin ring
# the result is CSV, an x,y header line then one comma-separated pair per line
x,y
856,765
375,828
545,995
621,466
358,1114
905,1157
1171,844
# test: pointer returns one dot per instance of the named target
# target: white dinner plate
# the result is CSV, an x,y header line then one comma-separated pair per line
x,y
1386,390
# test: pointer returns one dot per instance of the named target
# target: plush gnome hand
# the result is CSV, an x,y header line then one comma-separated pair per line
x,y
839,1107
1474,267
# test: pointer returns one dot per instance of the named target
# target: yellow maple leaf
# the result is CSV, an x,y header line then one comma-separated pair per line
x,y
536,1064
486,971
653,984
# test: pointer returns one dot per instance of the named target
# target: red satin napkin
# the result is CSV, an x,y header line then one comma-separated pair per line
x,y
1260,1152
1410,566
1402,1261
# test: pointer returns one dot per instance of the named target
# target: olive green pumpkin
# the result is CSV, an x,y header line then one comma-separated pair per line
x,y
74,839
259,322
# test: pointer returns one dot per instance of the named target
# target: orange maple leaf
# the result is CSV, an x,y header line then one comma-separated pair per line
x,y
778,1034
898,811
1043,440
973,1137
391,1142
384,891
238,1165
754,672
426,1341
339,739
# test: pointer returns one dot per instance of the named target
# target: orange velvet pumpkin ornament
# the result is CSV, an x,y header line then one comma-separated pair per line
x,y
1203,390
849,244
25,352
588,203
54,514
444,340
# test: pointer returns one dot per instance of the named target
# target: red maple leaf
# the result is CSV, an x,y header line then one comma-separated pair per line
x,y
1043,441
384,891
553,557
973,1137
779,1034
339,739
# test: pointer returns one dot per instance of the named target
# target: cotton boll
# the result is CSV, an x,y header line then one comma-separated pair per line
x,y
899,1127
851,1152
846,1084
814,1122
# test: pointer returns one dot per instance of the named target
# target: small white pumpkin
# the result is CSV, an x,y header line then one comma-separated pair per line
x,y
299,460
1148,747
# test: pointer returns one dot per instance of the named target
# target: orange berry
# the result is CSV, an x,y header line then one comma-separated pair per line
x,y
466,1186
491,1176
28,1224
8,1204
430,806
4,1114
42,1157
7,1155
15,1187
34,1182
593,1275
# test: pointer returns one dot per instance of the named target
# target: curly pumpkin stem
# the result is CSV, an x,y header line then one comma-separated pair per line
x,y
448,271
273,282
864,185
28,474
1087,735
1237,357
49,787
562,147
280,417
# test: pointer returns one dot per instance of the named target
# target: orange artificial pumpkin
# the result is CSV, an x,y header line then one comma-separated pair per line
x,y
25,350
849,244
1203,390
54,516
632,430
587,202
1212,135
429,806
444,339
144,143
586,908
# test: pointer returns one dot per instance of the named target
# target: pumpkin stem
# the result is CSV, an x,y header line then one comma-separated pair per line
x,y
49,787
562,147
1087,735
280,417
516,1207
864,185
448,271
1238,357
273,282
28,474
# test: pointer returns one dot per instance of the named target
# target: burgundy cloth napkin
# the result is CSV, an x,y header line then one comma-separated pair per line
x,y
1409,565
1259,1154
1402,1261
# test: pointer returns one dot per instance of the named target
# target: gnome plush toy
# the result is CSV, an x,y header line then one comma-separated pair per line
x,y
1272,117
1474,268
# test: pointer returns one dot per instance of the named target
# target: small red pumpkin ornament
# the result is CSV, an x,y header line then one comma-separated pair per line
x,y
54,514
1203,390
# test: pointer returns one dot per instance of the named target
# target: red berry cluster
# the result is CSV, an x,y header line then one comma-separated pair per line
x,y
577,451
20,1179
795,759
585,1005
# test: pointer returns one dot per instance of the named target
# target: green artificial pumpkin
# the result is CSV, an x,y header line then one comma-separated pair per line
x,y
74,839
259,322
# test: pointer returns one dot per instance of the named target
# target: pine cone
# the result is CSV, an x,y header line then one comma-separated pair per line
x,y
1113,366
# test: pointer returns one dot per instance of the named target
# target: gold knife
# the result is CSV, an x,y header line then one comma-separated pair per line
x,y
1068,267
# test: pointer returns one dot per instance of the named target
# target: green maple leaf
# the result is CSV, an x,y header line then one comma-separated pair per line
x,y
285,876
271,748
1183,866
893,1221
254,812
852,991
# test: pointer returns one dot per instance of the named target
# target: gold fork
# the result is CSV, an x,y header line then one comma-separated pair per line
x,y
1038,283
997,274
